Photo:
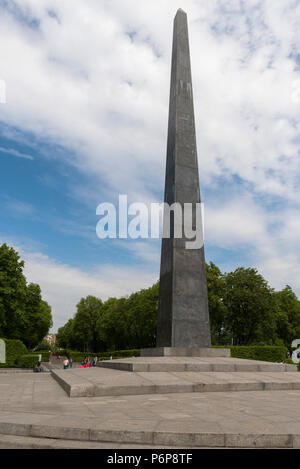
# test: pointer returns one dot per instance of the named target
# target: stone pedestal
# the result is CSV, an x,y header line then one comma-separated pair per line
x,y
185,352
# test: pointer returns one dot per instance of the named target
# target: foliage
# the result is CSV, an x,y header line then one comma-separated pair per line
x,y
244,310
265,353
44,345
250,307
14,349
45,355
287,315
216,288
85,323
80,356
12,293
117,324
27,361
38,319
23,313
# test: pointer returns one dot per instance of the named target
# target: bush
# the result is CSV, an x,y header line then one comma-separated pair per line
x,y
121,353
80,356
298,366
45,355
44,345
27,361
267,353
14,349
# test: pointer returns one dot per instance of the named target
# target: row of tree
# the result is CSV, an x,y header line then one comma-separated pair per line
x,y
243,308
24,314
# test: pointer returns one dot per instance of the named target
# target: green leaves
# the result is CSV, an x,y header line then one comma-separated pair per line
x,y
23,313
116,324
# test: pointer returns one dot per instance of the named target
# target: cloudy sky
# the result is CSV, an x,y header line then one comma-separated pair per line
x,y
85,119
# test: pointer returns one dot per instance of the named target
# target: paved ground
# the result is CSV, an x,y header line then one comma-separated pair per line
x,y
34,405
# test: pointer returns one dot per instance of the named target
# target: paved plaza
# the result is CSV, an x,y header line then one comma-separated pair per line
x,y
36,412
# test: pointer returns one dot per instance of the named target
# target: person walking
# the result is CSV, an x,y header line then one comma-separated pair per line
x,y
66,363
71,362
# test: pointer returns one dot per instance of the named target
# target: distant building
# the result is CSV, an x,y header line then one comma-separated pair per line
x,y
51,339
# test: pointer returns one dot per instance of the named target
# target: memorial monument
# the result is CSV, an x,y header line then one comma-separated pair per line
x,y
183,317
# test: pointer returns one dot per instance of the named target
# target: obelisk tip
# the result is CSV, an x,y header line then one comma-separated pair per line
x,y
180,10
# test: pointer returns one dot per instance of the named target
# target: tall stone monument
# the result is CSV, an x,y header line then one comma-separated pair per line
x,y
183,317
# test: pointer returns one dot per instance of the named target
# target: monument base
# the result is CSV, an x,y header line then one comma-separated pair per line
x,y
185,352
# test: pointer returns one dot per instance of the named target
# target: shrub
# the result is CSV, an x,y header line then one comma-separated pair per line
x,y
120,353
267,353
298,366
80,356
14,349
44,345
27,361
45,355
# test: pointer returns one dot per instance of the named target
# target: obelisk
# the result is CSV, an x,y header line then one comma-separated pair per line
x,y
183,317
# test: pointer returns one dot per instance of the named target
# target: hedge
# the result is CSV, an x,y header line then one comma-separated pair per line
x,y
27,361
14,349
80,356
45,355
267,353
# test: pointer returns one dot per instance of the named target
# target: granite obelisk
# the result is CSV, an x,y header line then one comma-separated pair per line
x,y
183,317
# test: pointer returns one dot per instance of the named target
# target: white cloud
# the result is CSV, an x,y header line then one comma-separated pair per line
x,y
87,84
11,151
95,79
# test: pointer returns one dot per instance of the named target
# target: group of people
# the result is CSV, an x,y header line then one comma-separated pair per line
x,y
88,362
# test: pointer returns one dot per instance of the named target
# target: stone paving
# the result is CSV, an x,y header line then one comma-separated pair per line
x,y
34,405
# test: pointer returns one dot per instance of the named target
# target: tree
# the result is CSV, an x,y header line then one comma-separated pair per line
x,y
84,325
64,336
23,313
216,287
142,317
12,293
287,315
251,307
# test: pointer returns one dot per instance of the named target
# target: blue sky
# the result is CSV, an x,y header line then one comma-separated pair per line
x,y
85,120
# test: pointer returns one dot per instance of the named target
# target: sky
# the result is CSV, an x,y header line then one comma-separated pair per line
x,y
85,119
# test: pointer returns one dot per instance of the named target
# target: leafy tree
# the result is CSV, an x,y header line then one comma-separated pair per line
x,y
251,307
37,319
64,336
85,321
12,293
216,287
142,317
287,315
113,324
23,313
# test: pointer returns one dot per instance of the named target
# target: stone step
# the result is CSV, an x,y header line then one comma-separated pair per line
x,y
107,382
189,364
19,436
30,442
